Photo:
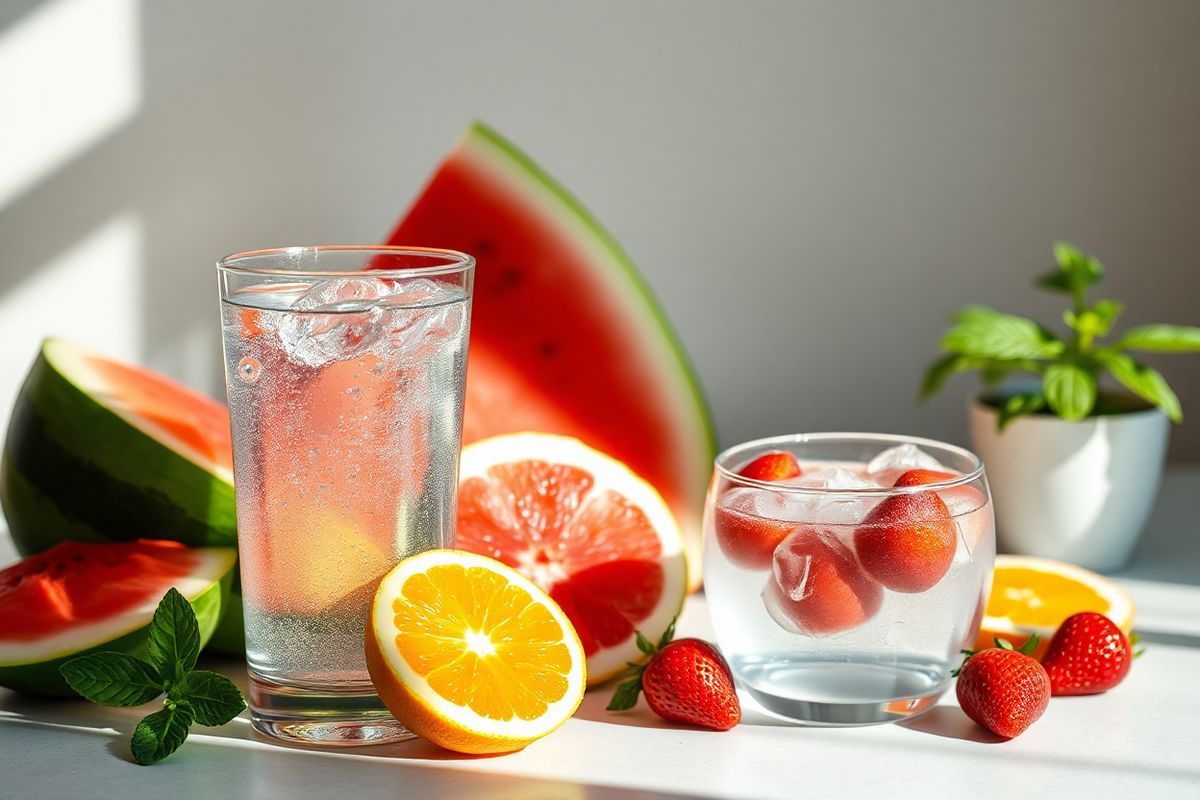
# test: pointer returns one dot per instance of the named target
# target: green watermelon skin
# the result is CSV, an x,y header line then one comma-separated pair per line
x,y
74,470
64,477
43,677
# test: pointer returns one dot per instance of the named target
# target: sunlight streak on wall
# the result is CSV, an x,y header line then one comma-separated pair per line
x,y
90,294
69,75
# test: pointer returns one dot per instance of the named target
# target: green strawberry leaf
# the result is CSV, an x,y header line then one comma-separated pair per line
x,y
1030,645
161,733
668,634
644,644
112,679
1070,390
214,699
626,695
174,637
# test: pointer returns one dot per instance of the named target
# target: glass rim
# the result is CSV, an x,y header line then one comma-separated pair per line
x,y
966,478
456,261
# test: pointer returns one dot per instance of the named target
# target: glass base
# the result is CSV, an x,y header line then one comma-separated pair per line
x,y
841,693
340,717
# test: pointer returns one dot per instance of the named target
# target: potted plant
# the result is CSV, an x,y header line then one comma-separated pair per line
x,y
1075,453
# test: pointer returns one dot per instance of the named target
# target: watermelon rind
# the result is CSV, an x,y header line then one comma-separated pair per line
x,y
632,274
32,668
667,377
74,469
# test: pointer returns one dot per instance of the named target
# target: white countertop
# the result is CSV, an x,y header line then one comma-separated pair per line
x,y
1140,740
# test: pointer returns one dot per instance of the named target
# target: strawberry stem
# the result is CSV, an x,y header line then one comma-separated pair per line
x,y
626,695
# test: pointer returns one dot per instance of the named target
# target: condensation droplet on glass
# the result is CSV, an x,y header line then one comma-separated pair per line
x,y
249,369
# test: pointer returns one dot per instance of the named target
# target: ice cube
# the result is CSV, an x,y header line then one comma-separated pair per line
x,y
334,320
834,478
421,314
889,465
342,294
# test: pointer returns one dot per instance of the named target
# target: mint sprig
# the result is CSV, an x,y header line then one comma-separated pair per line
x,y
1069,367
117,679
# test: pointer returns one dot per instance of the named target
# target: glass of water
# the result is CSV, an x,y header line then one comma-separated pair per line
x,y
344,374
844,571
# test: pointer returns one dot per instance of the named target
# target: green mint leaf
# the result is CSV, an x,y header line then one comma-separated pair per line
x,y
982,332
1080,269
1143,381
1097,320
1055,281
174,637
1162,339
1069,390
937,373
112,679
1019,405
214,698
644,644
161,733
626,695
668,634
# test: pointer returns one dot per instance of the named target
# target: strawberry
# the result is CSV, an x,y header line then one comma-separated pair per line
x,y
1089,654
686,680
776,465
907,541
920,477
746,539
817,587
1003,689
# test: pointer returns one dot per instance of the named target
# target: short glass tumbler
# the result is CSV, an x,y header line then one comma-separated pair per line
x,y
344,373
842,595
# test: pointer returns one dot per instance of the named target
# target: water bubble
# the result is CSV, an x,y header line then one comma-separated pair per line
x,y
249,369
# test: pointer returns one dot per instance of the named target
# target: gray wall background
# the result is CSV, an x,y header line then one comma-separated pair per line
x,y
810,187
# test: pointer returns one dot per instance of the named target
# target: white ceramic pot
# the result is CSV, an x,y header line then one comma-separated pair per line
x,y
1074,491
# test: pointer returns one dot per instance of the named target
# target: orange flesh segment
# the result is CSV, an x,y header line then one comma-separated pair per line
x,y
481,642
186,416
1040,599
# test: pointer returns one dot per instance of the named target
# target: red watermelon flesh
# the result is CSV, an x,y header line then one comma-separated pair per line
x,y
76,583
565,336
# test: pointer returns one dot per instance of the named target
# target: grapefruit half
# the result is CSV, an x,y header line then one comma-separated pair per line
x,y
583,527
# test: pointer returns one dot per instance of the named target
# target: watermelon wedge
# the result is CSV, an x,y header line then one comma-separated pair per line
x,y
566,337
98,450
82,597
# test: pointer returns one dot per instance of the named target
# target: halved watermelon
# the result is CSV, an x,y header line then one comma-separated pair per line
x,y
566,337
98,450
81,597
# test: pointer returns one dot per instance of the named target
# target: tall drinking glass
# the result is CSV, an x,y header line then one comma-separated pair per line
x,y
344,372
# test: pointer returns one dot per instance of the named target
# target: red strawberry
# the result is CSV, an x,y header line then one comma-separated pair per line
x,y
818,587
1002,689
777,465
907,541
686,681
1089,654
920,477
747,539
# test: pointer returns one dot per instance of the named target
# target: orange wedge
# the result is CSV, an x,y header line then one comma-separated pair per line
x,y
1034,595
470,654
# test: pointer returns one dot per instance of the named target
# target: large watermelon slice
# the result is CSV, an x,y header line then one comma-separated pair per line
x,y
98,450
82,597
566,336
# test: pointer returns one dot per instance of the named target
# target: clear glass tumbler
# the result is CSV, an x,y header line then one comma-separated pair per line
x,y
843,594
344,372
